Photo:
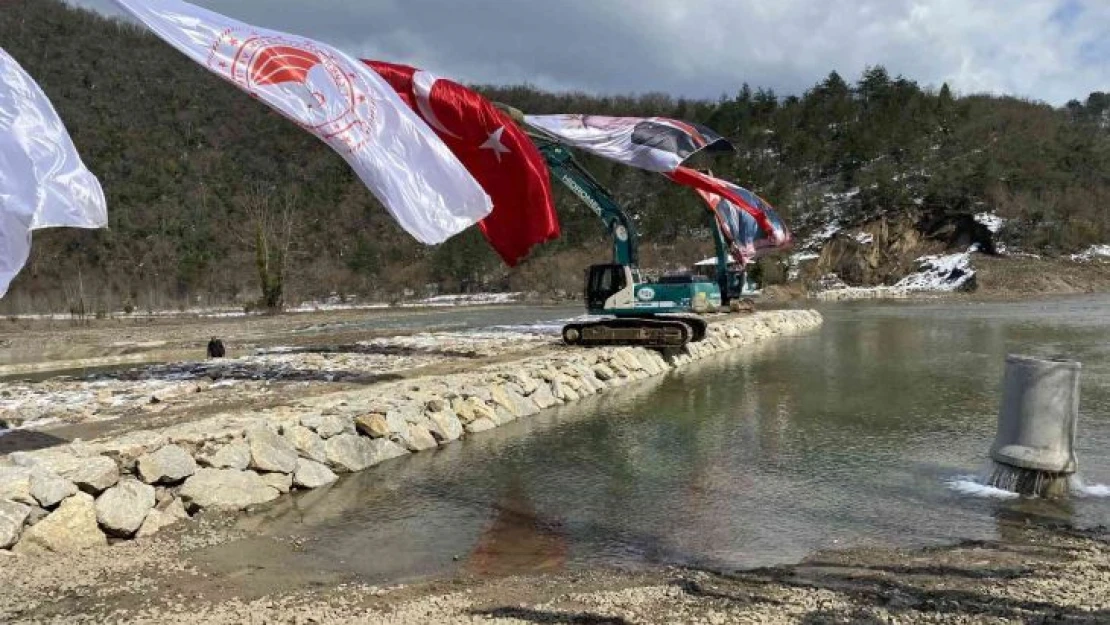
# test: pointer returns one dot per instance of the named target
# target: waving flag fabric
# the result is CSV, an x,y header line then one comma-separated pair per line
x,y
43,183
656,144
661,145
339,100
495,150
740,198
741,229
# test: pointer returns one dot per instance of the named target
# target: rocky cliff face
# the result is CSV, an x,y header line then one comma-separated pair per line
x,y
892,249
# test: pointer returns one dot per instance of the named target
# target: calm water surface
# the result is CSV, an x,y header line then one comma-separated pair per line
x,y
843,438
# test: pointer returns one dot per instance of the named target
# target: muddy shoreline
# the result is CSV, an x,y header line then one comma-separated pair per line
x,y
1036,573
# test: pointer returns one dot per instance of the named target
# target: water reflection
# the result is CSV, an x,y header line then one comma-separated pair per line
x,y
517,540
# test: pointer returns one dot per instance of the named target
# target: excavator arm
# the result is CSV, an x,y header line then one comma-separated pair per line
x,y
568,171
564,167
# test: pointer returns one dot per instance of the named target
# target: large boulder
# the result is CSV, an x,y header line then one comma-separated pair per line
x,y
473,408
12,517
373,425
49,489
444,425
311,474
127,449
270,452
307,443
15,485
283,482
351,452
511,401
234,455
542,396
480,425
71,527
226,489
154,523
91,474
163,515
327,426
417,437
122,508
604,372
168,465
408,412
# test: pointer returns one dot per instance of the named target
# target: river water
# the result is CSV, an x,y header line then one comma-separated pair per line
x,y
848,437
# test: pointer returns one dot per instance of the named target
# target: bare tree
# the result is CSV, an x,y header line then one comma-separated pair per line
x,y
270,231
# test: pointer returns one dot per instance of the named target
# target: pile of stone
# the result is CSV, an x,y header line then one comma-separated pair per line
x,y
130,486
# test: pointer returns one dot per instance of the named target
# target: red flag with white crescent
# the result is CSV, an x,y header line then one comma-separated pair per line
x,y
495,150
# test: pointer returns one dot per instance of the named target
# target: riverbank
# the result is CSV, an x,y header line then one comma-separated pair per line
x,y
996,278
154,469
1036,574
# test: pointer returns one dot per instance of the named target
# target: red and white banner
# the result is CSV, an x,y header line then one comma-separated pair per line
x,y
662,145
43,183
746,237
775,232
495,150
339,100
658,144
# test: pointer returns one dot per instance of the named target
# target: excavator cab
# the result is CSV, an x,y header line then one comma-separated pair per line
x,y
602,283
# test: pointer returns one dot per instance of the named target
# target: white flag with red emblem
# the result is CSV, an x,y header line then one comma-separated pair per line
x,y
341,101
43,183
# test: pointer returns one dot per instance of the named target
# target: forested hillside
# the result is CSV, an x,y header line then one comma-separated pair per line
x,y
189,165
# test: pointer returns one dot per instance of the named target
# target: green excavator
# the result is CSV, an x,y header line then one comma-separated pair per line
x,y
665,313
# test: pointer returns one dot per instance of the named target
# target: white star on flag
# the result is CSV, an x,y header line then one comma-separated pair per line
x,y
494,143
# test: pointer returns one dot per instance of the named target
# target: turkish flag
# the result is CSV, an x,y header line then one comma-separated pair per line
x,y
495,151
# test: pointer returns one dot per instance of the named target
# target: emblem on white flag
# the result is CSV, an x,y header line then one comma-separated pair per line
x,y
339,100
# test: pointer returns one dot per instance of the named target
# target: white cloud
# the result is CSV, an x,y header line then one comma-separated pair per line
x,y
1051,50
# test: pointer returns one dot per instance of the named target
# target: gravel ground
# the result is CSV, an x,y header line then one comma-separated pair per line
x,y
1034,575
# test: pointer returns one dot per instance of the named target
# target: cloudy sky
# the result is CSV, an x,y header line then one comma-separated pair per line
x,y
1049,50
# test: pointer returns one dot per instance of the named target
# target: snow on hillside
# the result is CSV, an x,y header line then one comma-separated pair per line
x,y
1095,253
945,272
993,222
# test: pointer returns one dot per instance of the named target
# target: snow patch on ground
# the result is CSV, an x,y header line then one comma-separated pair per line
x,y
947,272
333,303
1096,253
817,239
939,273
993,222
191,384
329,306
864,238
468,299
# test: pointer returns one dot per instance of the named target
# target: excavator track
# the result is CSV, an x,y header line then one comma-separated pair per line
x,y
635,331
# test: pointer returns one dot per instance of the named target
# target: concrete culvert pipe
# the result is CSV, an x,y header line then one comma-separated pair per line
x,y
1034,447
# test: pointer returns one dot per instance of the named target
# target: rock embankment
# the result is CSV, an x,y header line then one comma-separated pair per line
x,y
123,487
